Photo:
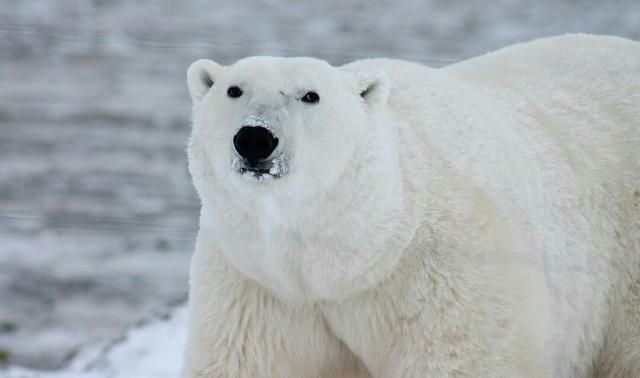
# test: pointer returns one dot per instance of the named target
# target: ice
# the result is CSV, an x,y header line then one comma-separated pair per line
x,y
279,166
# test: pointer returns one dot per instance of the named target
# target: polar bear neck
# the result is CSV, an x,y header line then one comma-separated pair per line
x,y
334,246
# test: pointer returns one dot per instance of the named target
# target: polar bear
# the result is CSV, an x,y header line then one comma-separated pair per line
x,y
386,219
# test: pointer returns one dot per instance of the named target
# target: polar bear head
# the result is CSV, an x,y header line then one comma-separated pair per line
x,y
274,123
281,150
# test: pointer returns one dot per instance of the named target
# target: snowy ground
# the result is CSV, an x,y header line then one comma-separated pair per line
x,y
150,350
97,214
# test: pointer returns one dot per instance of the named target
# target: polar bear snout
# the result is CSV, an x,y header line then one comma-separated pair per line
x,y
254,143
256,157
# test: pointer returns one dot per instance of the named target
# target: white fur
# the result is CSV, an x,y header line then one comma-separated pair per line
x,y
479,220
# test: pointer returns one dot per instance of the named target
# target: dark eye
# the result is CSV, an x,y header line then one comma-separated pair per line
x,y
234,91
310,97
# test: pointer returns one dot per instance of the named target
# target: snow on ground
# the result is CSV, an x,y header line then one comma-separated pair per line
x,y
97,212
152,350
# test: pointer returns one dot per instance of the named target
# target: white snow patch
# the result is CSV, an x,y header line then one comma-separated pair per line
x,y
258,120
279,166
153,350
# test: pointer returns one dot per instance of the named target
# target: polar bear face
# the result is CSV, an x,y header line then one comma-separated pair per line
x,y
285,125
280,148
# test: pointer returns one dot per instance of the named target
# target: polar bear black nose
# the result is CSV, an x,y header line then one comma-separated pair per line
x,y
254,143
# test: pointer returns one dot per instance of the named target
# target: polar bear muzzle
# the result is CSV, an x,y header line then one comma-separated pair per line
x,y
255,146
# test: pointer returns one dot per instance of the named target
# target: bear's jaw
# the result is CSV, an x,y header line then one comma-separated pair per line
x,y
269,169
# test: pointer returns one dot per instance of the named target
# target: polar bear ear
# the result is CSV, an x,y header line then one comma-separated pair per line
x,y
201,76
373,87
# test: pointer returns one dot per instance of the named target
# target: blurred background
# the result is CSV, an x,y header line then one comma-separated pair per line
x,y
97,213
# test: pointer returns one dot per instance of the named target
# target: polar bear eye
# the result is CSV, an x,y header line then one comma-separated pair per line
x,y
310,97
234,91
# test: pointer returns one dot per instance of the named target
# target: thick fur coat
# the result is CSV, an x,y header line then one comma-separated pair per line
x,y
478,220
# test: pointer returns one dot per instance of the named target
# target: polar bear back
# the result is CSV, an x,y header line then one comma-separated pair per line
x,y
550,131
573,105
584,91
537,117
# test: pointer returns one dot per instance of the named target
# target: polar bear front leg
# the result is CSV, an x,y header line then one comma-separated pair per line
x,y
238,329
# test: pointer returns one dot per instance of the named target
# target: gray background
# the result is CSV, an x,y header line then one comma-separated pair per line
x,y
97,213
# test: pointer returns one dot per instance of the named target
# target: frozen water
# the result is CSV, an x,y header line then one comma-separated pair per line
x,y
97,214
279,166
